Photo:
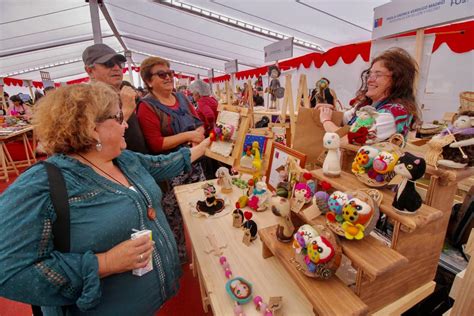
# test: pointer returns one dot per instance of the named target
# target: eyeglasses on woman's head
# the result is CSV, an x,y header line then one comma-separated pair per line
x,y
117,117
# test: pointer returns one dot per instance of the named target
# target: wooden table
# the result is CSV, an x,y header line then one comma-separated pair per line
x,y
268,276
6,162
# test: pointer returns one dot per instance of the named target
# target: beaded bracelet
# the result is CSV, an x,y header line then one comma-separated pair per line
x,y
240,291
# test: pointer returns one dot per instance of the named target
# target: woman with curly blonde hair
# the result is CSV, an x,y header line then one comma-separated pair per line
x,y
111,192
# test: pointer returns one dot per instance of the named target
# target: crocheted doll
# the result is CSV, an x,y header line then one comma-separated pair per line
x,y
211,205
407,200
275,89
363,129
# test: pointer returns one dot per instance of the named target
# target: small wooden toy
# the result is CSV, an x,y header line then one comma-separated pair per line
x,y
332,162
216,250
224,179
211,205
407,200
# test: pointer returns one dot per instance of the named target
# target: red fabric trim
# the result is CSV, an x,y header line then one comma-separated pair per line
x,y
459,37
12,81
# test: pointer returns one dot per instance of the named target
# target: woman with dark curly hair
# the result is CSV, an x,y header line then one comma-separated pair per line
x,y
388,86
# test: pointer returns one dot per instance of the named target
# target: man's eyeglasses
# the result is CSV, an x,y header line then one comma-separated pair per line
x,y
163,74
376,74
117,117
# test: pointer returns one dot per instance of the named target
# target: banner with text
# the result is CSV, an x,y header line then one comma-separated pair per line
x,y
403,16
230,67
280,50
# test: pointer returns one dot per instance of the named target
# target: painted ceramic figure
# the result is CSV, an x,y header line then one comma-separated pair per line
x,y
332,162
407,200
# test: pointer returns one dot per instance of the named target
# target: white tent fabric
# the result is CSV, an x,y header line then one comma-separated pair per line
x,y
50,35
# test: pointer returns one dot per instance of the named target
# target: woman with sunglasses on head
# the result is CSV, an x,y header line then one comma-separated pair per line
x,y
111,193
388,86
169,122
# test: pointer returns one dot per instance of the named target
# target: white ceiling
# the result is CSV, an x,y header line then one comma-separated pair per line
x,y
51,34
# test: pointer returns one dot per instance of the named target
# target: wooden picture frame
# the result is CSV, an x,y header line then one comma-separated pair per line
x,y
241,132
265,154
278,159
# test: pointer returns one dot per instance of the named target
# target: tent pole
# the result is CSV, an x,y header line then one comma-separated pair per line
x,y
95,20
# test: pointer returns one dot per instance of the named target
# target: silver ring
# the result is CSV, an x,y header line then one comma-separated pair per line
x,y
141,257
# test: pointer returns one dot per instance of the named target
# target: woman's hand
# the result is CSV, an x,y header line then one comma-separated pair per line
x,y
196,136
198,150
324,105
127,97
325,114
126,256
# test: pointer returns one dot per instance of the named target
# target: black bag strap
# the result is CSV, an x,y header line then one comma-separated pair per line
x,y
59,198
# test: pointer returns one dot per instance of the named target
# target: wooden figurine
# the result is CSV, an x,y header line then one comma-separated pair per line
x,y
407,200
216,250
224,180
280,206
332,162
211,205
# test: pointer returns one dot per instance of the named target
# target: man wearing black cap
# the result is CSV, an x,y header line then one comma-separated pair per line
x,y
104,64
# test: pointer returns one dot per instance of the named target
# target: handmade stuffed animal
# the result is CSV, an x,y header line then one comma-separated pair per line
x,y
460,152
275,89
211,205
320,250
332,162
407,200
363,130
280,206
259,199
382,165
364,158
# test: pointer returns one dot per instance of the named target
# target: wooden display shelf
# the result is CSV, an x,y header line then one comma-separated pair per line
x,y
369,254
347,182
328,297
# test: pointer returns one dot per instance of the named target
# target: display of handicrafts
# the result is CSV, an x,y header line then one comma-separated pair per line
x,y
353,215
317,251
373,165
454,146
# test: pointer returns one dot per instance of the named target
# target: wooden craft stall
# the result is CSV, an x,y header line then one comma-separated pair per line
x,y
7,164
